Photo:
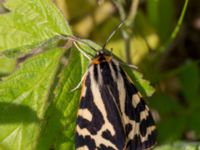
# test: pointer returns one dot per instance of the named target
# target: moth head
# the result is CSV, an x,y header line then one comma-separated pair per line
x,y
102,56
102,52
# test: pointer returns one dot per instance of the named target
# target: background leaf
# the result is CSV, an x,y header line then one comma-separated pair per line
x,y
6,65
19,94
29,23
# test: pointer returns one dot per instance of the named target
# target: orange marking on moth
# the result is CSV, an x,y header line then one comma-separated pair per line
x,y
97,61
108,58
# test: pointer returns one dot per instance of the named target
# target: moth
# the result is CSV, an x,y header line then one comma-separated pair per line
x,y
112,113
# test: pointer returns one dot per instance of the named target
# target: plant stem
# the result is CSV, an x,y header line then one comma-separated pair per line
x,y
131,16
176,29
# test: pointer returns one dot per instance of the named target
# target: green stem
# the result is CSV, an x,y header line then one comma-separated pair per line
x,y
177,27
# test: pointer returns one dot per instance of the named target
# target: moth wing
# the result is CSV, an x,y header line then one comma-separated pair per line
x,y
139,124
99,124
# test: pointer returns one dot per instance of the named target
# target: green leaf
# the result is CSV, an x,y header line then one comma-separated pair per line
x,y
6,65
143,85
180,146
23,101
166,100
29,23
58,131
189,78
153,11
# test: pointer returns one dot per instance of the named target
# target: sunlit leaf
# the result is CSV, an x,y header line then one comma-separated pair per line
x,y
24,96
30,22
6,65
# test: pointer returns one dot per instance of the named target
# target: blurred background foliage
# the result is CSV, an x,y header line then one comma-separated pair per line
x,y
172,66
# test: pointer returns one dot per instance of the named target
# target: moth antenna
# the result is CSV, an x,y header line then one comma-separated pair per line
x,y
112,33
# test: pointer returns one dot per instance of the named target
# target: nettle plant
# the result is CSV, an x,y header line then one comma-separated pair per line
x,y
38,108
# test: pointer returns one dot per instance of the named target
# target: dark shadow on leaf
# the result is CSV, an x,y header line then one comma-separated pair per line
x,y
51,129
55,123
13,113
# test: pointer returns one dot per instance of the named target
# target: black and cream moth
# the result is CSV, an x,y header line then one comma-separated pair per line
x,y
112,113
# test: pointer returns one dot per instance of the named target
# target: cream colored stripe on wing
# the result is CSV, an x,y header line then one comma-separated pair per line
x,y
85,113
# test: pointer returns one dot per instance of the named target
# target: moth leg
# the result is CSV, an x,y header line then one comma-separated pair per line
x,y
79,84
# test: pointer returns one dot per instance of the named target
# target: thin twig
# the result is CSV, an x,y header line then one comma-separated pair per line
x,y
133,11
127,42
120,8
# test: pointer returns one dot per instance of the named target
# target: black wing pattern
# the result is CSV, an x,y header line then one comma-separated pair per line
x,y
140,126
